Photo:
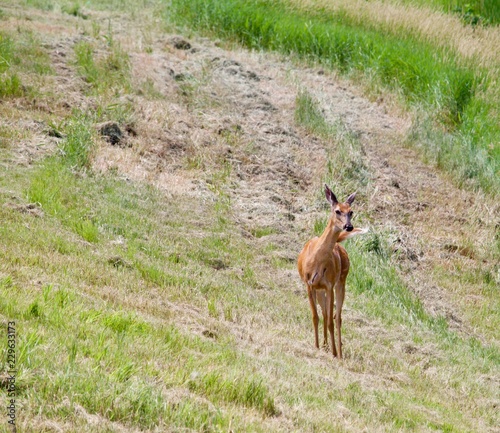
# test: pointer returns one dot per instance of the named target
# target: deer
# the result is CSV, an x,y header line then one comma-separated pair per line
x,y
323,266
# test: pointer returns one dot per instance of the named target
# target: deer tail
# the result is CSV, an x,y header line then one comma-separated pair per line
x,y
311,281
355,232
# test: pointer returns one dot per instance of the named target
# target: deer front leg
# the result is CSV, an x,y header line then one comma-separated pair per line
x,y
339,301
329,306
311,293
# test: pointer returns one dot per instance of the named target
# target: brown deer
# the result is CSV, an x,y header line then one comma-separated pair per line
x,y
324,264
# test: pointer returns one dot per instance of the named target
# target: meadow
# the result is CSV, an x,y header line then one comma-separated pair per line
x,y
141,307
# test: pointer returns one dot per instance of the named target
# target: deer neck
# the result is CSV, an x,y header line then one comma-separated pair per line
x,y
329,237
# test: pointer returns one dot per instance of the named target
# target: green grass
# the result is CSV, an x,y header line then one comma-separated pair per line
x,y
75,10
424,75
141,310
77,145
107,70
104,357
10,85
21,54
118,351
25,50
108,73
101,359
247,391
260,232
472,11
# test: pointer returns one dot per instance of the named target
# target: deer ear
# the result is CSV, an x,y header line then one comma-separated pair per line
x,y
350,199
330,196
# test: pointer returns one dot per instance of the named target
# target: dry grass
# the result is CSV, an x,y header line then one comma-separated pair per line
x,y
477,44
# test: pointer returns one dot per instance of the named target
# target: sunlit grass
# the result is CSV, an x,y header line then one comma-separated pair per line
x,y
472,12
142,310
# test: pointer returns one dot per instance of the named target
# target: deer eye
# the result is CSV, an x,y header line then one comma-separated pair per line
x,y
350,213
338,212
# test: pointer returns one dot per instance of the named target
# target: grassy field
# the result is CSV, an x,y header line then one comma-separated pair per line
x,y
138,308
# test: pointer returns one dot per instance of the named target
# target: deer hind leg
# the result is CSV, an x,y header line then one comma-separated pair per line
x,y
322,302
339,301
331,328
311,294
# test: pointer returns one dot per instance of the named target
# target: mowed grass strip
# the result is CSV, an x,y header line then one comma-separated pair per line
x,y
105,331
88,331
460,98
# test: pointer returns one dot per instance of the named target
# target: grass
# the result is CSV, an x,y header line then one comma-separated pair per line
x,y
345,165
109,73
75,10
77,145
91,316
96,366
472,12
10,86
112,360
24,54
477,43
141,310
350,173
46,190
378,263
428,77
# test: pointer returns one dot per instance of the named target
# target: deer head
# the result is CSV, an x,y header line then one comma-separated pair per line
x,y
341,212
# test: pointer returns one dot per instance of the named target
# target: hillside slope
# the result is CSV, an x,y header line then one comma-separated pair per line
x,y
155,190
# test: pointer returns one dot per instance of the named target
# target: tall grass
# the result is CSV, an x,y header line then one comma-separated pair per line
x,y
423,75
472,11
474,45
78,144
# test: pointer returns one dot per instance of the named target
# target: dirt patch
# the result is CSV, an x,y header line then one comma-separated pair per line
x,y
30,209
